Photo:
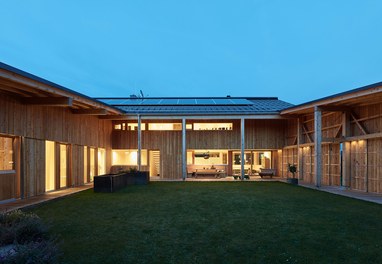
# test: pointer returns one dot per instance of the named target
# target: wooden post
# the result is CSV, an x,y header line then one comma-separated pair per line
x,y
367,167
184,150
317,145
139,143
22,167
242,159
346,149
299,149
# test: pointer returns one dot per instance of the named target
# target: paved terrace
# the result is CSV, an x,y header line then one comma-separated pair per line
x,y
24,203
30,202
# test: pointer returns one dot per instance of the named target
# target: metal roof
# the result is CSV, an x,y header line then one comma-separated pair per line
x,y
199,105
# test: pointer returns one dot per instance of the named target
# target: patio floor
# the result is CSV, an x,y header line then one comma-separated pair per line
x,y
23,203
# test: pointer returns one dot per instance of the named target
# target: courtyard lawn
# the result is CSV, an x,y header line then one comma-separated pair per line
x,y
215,222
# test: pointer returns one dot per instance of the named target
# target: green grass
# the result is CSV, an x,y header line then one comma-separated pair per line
x,y
215,222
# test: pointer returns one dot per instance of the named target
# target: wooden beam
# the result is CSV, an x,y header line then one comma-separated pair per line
x,y
118,117
89,111
331,140
337,134
358,123
363,137
307,133
333,108
46,87
317,146
299,148
346,149
48,101
373,89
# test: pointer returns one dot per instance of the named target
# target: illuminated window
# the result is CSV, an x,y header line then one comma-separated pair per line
x,y
6,153
128,157
165,126
134,126
118,127
189,126
206,157
92,163
101,161
85,164
50,169
212,126
63,165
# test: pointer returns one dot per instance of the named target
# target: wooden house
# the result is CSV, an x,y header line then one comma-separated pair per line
x,y
52,137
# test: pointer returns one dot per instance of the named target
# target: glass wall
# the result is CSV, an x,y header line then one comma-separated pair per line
x,y
128,157
101,161
50,169
63,165
85,164
254,161
92,163
6,153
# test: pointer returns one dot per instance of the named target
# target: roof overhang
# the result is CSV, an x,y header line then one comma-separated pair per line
x,y
366,95
197,117
30,89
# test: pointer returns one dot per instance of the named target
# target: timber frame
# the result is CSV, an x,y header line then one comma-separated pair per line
x,y
346,128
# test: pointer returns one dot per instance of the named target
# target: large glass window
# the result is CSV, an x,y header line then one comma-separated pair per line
x,y
50,169
128,157
165,126
85,164
92,163
212,126
6,153
207,157
63,165
101,161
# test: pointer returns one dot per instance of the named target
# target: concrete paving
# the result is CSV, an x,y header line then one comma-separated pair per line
x,y
365,196
33,201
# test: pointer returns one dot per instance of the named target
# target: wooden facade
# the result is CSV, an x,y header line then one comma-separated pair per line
x,y
351,143
259,134
30,126
334,141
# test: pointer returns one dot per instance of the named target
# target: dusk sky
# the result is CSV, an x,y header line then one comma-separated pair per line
x,y
297,50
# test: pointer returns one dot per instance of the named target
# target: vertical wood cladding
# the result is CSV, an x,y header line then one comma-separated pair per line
x,y
259,134
52,123
35,124
365,155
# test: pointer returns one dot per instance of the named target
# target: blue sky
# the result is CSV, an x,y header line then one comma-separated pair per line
x,y
297,50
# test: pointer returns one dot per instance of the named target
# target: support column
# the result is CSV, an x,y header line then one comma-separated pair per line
x,y
346,149
184,150
299,149
139,143
242,159
317,146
